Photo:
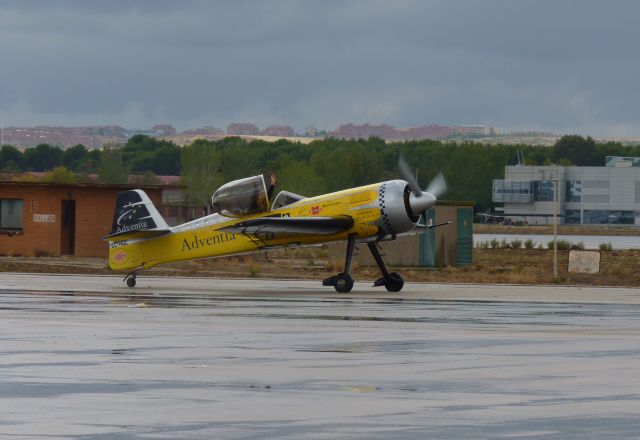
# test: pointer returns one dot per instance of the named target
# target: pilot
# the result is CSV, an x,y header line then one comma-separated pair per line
x,y
273,181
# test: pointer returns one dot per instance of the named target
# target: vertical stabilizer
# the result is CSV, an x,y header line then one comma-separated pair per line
x,y
135,212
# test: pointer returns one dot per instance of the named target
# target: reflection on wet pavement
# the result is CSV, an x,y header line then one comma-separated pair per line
x,y
159,365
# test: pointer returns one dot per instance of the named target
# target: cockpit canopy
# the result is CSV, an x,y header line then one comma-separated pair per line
x,y
241,197
285,198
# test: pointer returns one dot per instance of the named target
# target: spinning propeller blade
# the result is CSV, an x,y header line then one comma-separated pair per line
x,y
407,175
438,186
420,200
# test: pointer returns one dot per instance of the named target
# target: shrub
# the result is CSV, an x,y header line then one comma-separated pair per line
x,y
503,244
528,244
605,246
254,269
516,244
563,245
495,243
578,246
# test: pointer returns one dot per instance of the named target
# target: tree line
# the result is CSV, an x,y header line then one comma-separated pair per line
x,y
140,154
333,164
321,166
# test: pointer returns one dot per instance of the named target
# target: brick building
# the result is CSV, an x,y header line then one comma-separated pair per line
x,y
38,218
242,128
279,130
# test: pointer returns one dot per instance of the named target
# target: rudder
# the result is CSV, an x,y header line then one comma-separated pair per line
x,y
135,212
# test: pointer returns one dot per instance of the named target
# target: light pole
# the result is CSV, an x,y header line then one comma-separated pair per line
x,y
555,227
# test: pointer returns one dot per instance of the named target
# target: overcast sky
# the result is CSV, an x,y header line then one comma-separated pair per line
x,y
561,66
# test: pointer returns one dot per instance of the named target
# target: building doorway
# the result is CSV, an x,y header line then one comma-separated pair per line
x,y
68,225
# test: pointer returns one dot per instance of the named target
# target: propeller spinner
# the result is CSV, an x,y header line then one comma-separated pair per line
x,y
420,200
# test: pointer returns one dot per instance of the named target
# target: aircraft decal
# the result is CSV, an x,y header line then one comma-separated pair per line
x,y
315,210
134,227
118,244
120,256
126,215
200,242
134,217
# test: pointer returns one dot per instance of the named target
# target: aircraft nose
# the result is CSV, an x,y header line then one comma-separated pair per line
x,y
422,202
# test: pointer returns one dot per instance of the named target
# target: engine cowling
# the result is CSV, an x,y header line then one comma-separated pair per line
x,y
400,208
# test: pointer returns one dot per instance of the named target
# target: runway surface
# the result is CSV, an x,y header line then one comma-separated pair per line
x,y
85,357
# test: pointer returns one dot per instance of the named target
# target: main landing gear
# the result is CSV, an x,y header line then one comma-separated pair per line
x,y
343,282
393,282
130,279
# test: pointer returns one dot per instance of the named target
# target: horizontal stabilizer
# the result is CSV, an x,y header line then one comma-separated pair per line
x,y
292,226
128,235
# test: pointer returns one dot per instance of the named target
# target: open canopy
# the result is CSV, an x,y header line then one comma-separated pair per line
x,y
241,197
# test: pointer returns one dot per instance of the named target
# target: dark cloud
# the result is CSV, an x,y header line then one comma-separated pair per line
x,y
565,66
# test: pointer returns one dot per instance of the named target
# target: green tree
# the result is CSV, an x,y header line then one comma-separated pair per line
x,y
59,174
200,171
147,178
73,157
11,159
578,150
91,161
299,177
166,160
147,153
43,157
112,168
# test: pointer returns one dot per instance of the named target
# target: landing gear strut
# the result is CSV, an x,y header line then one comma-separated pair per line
x,y
130,279
343,282
392,281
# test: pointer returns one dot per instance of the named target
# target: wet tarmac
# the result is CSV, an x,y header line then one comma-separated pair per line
x,y
255,359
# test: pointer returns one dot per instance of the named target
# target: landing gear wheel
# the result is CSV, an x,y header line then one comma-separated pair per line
x,y
131,281
343,283
394,282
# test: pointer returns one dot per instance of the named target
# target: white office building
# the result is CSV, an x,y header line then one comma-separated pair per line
x,y
586,195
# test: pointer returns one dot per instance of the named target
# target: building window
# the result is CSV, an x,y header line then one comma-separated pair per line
x,y
621,217
604,217
543,190
11,215
512,191
572,216
574,191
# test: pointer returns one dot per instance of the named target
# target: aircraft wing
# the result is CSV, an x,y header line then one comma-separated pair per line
x,y
280,227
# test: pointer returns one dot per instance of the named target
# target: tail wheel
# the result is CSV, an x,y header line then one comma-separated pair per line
x,y
131,281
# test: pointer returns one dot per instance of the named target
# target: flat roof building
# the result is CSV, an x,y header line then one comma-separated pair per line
x,y
586,195
38,218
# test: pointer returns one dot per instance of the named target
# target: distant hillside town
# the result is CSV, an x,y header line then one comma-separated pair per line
x,y
389,132
97,136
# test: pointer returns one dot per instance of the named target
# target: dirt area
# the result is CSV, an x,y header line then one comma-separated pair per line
x,y
514,266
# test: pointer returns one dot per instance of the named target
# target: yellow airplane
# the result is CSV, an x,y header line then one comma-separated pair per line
x,y
246,220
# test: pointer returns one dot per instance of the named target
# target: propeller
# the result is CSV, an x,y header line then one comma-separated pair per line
x,y
438,186
420,200
406,173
